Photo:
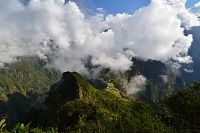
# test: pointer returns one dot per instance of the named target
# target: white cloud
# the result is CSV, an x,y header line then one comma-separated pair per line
x,y
164,78
188,70
152,32
188,19
136,85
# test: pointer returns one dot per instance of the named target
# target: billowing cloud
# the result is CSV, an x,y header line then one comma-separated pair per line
x,y
61,34
152,32
188,19
136,85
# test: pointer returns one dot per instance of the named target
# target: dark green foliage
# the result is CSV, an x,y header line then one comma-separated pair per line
x,y
183,109
22,85
82,108
74,105
15,108
21,128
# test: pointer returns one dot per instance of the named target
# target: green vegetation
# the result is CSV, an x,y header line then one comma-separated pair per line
x,y
24,76
74,105
182,109
22,84
118,79
112,89
2,125
21,128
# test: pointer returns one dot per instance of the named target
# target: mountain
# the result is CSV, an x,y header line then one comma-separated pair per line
x,y
23,84
73,104
161,80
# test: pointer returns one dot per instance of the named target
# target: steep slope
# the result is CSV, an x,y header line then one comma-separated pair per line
x,y
75,105
161,80
28,74
22,85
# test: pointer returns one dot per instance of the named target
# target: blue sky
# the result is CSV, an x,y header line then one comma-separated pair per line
x,y
113,6
119,6
191,2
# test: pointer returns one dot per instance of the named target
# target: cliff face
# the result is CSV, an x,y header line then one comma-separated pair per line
x,y
161,81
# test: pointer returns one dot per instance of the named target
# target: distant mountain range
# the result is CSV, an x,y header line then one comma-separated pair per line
x,y
30,92
25,84
73,104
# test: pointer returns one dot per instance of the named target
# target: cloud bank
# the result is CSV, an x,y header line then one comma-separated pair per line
x,y
187,17
63,35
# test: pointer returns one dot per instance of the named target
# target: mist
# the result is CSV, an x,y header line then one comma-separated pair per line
x,y
136,84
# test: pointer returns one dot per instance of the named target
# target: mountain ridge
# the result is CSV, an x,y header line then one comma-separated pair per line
x,y
92,110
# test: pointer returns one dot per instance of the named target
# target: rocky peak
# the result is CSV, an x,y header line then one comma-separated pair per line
x,y
71,86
